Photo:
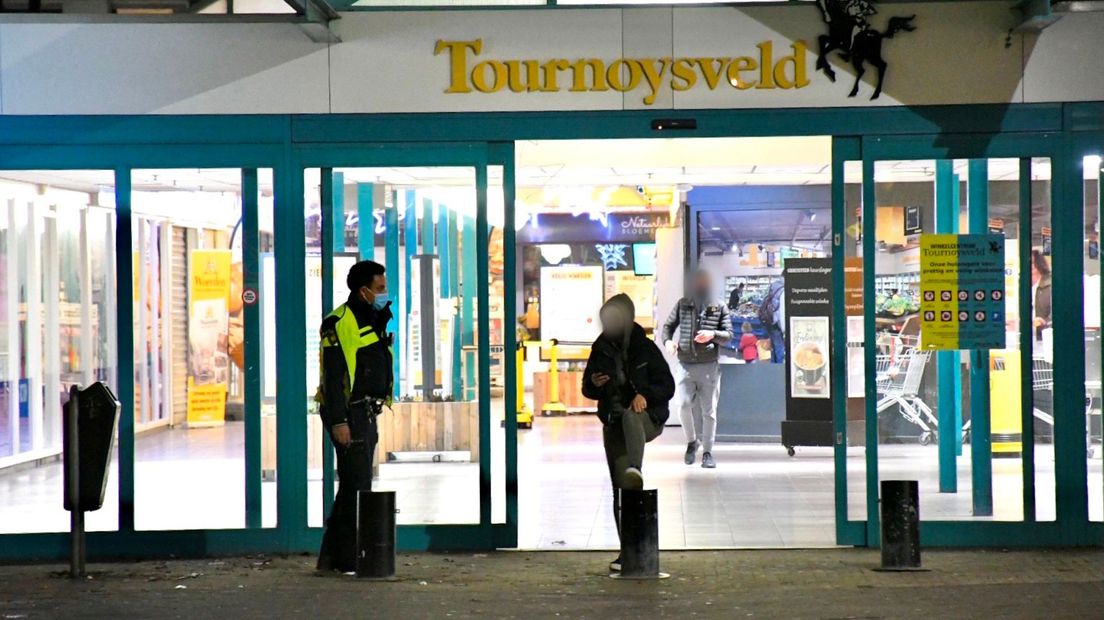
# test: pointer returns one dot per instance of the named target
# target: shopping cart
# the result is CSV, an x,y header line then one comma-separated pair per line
x,y
898,374
1042,380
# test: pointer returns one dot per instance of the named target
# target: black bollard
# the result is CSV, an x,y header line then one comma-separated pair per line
x,y
639,535
900,525
375,539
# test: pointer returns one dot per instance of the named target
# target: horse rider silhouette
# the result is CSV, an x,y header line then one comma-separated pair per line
x,y
854,37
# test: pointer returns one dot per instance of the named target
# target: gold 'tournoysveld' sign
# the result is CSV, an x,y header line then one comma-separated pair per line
x,y
760,71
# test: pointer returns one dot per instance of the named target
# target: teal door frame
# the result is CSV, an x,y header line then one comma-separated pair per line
x,y
848,531
477,156
126,541
1071,526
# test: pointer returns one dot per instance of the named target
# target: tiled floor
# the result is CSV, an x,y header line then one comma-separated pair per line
x,y
757,496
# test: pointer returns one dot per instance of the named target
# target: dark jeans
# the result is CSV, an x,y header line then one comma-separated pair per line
x,y
778,346
354,470
624,438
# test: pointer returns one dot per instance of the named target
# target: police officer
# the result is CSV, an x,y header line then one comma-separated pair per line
x,y
357,381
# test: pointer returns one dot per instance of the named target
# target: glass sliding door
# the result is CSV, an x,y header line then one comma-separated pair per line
x,y
426,216
965,360
194,438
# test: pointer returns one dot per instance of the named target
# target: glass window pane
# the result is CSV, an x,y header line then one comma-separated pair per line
x,y
428,447
1042,340
189,414
56,269
856,360
1093,175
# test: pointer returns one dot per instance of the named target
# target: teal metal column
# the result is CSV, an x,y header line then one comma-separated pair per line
x,y
509,357
482,238
454,292
870,352
1068,319
333,233
124,319
337,222
957,202
981,453
847,532
947,362
366,239
467,302
410,248
428,246
251,316
1027,343
444,250
391,263
291,361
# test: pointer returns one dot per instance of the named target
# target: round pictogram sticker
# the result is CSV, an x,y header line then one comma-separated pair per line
x,y
249,296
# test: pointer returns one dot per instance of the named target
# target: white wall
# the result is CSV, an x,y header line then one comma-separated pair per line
x,y
386,63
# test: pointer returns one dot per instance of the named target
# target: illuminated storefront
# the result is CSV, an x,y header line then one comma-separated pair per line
x,y
121,178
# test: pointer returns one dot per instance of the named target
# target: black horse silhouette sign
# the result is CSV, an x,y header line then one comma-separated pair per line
x,y
855,39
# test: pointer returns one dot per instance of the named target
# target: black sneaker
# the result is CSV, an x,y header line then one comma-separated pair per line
x,y
707,460
691,452
615,566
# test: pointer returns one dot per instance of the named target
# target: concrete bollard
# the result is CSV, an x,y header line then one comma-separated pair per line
x,y
375,537
900,525
640,535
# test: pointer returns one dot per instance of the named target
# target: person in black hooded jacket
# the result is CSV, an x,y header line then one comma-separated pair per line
x,y
629,377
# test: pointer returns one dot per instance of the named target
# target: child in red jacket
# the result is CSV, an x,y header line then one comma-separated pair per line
x,y
749,344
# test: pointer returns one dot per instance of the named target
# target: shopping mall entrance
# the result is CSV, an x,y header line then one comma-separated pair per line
x,y
224,260
602,217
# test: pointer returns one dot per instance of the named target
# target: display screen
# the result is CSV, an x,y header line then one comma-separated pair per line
x,y
644,259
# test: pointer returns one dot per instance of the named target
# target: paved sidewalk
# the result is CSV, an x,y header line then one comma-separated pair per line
x,y
835,583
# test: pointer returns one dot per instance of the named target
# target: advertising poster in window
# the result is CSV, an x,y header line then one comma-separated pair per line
x,y
570,297
853,309
641,289
809,375
208,327
808,303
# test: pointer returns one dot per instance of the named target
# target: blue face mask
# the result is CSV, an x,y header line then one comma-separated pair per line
x,y
381,301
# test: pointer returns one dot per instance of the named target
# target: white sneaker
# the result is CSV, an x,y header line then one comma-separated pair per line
x,y
633,480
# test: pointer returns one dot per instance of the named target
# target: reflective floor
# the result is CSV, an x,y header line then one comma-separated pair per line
x,y
757,496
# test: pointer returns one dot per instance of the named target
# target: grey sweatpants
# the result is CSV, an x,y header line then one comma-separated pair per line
x,y
699,388
624,438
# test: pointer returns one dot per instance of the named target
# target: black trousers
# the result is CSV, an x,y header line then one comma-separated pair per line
x,y
354,471
624,438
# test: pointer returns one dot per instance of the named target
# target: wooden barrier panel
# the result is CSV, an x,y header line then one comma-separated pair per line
x,y
407,427
571,391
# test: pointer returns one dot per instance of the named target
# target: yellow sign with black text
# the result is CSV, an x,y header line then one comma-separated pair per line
x,y
962,292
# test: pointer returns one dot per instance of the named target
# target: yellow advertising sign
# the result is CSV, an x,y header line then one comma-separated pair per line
x,y
208,328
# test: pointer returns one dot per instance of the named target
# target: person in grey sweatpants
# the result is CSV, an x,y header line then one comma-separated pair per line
x,y
703,323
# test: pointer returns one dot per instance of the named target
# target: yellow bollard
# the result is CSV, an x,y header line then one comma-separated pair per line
x,y
1004,404
524,413
553,406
